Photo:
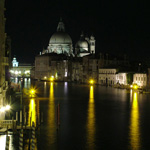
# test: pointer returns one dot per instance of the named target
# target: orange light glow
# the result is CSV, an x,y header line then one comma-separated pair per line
x,y
91,81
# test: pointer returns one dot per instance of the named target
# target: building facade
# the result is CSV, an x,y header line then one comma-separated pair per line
x,y
107,76
20,70
51,64
140,79
4,58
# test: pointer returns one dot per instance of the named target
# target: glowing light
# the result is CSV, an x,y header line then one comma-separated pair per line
x,y
91,81
66,74
16,72
45,77
134,124
32,92
135,87
2,109
7,107
2,141
52,78
27,72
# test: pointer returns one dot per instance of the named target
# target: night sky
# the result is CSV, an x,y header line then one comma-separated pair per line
x,y
120,27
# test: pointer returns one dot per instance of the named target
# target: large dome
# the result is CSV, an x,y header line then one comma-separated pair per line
x,y
60,38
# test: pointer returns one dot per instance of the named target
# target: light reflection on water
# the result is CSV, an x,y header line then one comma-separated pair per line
x,y
91,121
51,115
32,112
134,124
106,102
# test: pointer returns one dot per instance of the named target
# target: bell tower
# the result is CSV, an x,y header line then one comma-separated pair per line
x,y
92,44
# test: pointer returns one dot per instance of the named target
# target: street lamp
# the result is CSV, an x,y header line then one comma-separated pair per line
x,y
91,81
52,78
5,108
32,92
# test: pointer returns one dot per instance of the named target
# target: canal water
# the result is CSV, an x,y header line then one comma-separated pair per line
x,y
88,117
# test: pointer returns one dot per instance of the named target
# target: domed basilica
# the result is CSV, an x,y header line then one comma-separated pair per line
x,y
61,43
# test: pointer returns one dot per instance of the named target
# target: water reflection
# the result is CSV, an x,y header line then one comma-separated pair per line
x,y
91,121
51,115
45,89
27,83
65,88
32,112
134,124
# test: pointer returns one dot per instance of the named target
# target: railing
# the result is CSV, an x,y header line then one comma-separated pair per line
x,y
10,124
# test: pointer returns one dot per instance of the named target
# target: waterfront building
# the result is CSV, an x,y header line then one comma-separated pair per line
x,y
80,64
90,68
148,78
76,70
121,78
20,69
107,76
50,64
58,58
140,79
4,56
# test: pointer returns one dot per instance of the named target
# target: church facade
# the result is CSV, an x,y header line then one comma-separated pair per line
x,y
61,43
56,60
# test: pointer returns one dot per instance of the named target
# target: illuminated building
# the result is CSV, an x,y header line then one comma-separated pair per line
x,y
4,56
107,76
140,79
20,70
80,64
121,78
61,43
57,59
85,46
51,64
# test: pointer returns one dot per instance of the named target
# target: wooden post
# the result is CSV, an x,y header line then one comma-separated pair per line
x,y
42,117
20,117
16,116
25,119
39,118
33,137
21,140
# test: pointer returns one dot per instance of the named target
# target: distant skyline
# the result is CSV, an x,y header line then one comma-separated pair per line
x,y
120,27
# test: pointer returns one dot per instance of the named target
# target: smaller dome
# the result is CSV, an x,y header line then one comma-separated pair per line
x,y
82,44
